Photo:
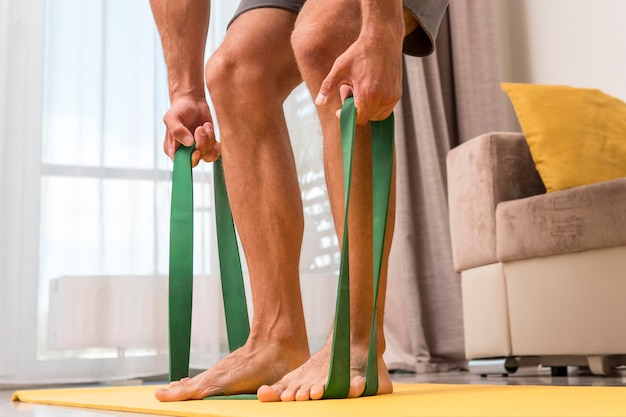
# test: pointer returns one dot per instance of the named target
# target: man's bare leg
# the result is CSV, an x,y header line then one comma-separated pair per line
x,y
248,78
316,46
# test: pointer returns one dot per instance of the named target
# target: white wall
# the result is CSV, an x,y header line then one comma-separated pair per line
x,y
581,43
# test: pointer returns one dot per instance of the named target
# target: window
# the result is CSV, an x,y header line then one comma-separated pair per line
x,y
96,202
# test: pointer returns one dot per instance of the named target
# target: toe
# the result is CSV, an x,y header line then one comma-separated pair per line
x,y
265,393
357,387
288,395
171,394
316,392
182,390
303,394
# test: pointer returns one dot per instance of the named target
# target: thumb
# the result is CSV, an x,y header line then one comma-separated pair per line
x,y
177,130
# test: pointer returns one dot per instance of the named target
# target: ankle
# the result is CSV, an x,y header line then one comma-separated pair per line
x,y
361,344
285,338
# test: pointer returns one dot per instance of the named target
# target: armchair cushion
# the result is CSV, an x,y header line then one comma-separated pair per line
x,y
574,220
576,136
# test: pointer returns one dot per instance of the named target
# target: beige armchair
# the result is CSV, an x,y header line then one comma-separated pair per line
x,y
543,275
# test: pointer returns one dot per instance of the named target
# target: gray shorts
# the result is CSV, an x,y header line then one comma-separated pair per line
x,y
420,42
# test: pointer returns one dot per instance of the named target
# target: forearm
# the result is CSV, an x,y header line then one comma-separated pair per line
x,y
383,19
183,26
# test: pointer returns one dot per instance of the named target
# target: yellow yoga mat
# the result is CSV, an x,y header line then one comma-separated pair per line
x,y
408,400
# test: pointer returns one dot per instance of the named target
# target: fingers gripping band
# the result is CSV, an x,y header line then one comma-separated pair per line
x,y
237,322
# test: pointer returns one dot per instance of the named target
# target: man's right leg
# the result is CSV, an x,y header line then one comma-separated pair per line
x,y
248,78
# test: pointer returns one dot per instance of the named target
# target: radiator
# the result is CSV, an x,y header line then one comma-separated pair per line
x,y
130,312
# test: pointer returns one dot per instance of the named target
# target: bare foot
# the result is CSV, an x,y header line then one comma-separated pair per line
x,y
308,381
241,372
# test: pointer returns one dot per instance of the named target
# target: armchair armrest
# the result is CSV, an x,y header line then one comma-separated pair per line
x,y
483,172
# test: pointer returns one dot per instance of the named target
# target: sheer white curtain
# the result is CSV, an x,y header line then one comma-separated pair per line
x,y
84,213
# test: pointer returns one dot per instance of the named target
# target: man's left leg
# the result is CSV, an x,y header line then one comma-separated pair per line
x,y
324,30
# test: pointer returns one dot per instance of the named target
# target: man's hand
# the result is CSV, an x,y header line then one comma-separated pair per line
x,y
371,68
186,121
183,26
371,71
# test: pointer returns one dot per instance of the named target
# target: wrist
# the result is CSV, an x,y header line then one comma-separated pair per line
x,y
188,93
185,87
185,76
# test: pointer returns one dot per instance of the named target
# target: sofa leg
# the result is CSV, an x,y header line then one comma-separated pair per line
x,y
558,370
493,366
600,365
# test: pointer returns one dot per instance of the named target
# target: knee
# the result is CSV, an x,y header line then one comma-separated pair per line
x,y
311,49
317,44
225,73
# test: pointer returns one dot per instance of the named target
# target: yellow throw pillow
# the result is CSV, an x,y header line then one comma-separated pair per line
x,y
576,136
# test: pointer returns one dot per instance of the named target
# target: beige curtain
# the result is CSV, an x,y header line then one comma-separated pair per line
x,y
449,98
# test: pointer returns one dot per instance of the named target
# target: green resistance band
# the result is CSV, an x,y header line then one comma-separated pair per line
x,y
338,383
237,322
181,265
